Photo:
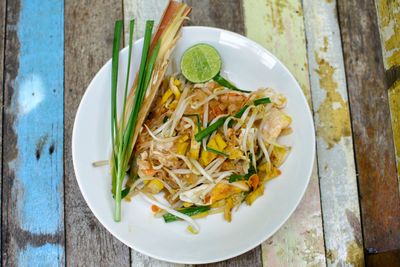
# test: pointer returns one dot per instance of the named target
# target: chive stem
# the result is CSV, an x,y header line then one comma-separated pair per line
x,y
190,211
213,127
225,83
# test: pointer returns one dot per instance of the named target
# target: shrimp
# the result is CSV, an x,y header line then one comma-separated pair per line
x,y
273,124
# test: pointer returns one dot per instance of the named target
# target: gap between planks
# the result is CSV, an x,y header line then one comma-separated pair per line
x,y
3,15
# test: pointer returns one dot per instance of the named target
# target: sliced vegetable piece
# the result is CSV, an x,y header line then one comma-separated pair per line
x,y
212,150
228,209
251,197
190,211
225,83
213,127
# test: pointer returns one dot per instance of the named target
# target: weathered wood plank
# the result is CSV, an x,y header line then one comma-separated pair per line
x,y
278,25
221,14
394,104
251,258
389,27
338,181
390,258
375,157
32,208
89,29
2,42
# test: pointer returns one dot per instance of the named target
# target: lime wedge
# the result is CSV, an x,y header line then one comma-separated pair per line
x,y
200,63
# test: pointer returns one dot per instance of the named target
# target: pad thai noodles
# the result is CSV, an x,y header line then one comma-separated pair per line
x,y
199,171
205,147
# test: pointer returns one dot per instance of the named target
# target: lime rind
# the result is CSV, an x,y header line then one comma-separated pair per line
x,y
200,63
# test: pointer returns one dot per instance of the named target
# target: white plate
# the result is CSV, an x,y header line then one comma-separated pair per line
x,y
250,66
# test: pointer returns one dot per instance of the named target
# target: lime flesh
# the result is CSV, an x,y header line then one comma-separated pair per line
x,y
200,63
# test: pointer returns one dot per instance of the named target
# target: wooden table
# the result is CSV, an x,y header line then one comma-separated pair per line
x,y
345,55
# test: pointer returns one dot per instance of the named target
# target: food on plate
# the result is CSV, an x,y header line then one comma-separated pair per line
x,y
191,143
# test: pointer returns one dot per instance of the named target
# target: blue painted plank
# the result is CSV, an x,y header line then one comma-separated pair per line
x,y
33,184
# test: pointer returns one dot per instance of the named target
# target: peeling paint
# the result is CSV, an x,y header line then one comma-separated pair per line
x,y
389,22
277,15
325,47
394,103
338,182
332,255
289,47
354,254
288,246
333,113
389,19
394,59
310,253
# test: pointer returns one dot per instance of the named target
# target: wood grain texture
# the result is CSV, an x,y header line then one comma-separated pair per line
x,y
279,26
226,14
89,27
372,131
251,258
389,28
338,181
33,127
390,258
2,42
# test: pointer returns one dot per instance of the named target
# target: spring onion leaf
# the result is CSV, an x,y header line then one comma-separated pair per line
x,y
213,127
123,146
114,83
190,211
235,177
217,152
260,101
131,28
210,129
225,83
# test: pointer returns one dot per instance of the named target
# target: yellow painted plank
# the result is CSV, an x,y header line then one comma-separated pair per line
x,y
389,24
394,103
388,12
278,25
338,181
